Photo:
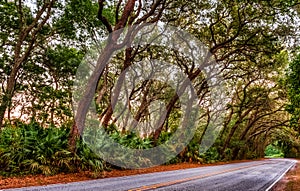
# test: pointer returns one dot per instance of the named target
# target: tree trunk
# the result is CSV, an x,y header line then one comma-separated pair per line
x,y
233,129
73,137
88,95
116,93
7,98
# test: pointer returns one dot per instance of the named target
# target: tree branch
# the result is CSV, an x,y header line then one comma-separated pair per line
x,y
102,18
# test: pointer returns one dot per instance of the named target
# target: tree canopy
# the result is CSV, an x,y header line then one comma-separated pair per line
x,y
251,46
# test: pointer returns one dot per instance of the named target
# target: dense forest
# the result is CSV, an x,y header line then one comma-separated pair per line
x,y
66,97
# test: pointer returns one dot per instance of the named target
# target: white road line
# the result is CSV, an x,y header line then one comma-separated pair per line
x,y
270,187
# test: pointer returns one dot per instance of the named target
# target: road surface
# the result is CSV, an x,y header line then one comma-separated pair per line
x,y
246,176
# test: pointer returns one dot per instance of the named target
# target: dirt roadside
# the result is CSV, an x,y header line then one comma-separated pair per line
x,y
291,181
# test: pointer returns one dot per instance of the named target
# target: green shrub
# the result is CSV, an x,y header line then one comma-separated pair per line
x,y
31,149
273,151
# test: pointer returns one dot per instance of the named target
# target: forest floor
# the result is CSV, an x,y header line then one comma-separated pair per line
x,y
291,181
38,180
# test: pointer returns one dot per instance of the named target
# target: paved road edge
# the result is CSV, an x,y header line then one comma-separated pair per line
x,y
280,177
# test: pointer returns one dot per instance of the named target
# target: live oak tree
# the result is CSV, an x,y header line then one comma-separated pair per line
x,y
128,13
51,42
293,85
241,35
42,47
21,32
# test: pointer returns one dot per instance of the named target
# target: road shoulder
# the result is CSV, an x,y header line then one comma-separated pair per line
x,y
291,181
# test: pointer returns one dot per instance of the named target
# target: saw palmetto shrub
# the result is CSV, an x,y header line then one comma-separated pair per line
x,y
31,149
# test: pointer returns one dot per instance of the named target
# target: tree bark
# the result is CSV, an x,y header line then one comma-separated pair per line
x,y
6,100
111,47
109,112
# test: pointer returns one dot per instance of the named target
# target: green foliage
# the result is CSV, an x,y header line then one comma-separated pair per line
x,y
211,155
31,149
293,83
273,151
133,141
9,28
191,152
80,21
88,160
241,34
52,95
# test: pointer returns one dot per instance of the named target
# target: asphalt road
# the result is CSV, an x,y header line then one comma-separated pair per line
x,y
254,176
